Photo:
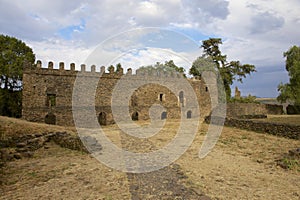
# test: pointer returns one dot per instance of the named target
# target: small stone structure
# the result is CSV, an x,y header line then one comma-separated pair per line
x,y
237,93
48,93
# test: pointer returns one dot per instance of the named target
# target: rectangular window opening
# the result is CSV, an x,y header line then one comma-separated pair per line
x,y
161,97
51,100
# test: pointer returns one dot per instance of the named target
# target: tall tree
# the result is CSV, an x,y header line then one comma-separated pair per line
x,y
229,71
14,54
291,91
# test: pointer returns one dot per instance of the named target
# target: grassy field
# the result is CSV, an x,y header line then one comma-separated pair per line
x,y
241,166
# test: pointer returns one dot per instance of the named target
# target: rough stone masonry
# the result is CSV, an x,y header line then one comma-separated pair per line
x,y
47,94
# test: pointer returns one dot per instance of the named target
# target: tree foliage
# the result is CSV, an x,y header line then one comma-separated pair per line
x,y
118,67
168,66
229,71
14,54
291,91
202,64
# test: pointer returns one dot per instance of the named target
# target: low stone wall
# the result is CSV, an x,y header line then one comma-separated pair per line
x,y
273,109
25,146
241,109
283,130
252,109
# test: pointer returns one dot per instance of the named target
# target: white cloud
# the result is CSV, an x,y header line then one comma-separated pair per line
x,y
59,51
149,56
145,46
256,31
207,9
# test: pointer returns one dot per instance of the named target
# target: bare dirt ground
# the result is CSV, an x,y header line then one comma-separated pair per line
x,y
241,166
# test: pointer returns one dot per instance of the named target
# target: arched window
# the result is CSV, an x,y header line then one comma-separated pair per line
x,y
50,118
102,118
189,114
181,97
164,115
135,116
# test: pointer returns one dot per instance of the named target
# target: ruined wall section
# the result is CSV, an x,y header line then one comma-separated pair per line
x,y
175,103
203,96
47,94
103,96
48,91
158,96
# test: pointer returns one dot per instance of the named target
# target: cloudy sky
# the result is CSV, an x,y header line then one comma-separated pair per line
x,y
255,32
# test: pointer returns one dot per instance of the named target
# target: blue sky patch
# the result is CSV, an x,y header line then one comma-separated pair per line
x,y
67,32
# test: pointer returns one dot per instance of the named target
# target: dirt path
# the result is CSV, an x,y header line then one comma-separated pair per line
x,y
167,183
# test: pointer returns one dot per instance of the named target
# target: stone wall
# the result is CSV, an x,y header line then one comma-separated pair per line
x,y
252,109
48,94
273,109
283,130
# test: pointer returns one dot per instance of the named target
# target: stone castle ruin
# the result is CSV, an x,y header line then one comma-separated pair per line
x,y
48,93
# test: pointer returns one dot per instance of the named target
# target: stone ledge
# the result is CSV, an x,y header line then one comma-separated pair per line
x,y
25,146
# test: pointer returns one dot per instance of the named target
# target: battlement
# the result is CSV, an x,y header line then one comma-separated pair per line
x,y
61,67
94,70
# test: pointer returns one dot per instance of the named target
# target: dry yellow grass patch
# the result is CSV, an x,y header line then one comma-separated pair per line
x,y
241,166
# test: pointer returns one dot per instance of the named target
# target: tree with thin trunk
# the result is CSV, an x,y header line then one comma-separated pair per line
x,y
14,54
229,71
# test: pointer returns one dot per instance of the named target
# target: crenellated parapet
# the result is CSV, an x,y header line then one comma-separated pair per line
x,y
83,68
73,70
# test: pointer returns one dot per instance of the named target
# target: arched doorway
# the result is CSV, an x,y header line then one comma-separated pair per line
x,y
50,118
189,114
135,116
102,118
164,115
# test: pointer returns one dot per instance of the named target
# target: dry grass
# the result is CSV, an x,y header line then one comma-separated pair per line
x,y
283,119
58,173
241,166
10,127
